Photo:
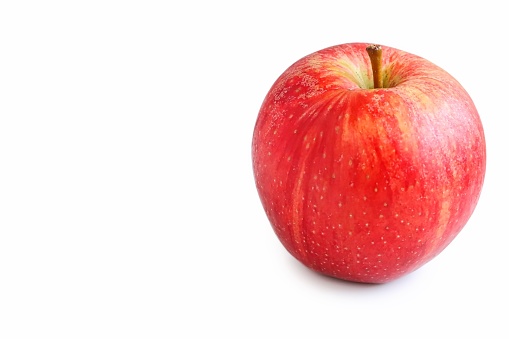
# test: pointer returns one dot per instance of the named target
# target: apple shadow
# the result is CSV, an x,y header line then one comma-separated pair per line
x,y
337,285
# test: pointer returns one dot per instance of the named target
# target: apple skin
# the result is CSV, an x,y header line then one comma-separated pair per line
x,y
365,184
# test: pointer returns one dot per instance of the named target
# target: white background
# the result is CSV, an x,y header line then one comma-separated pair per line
x,y
127,202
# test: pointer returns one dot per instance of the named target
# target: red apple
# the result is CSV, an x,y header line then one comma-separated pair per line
x,y
367,165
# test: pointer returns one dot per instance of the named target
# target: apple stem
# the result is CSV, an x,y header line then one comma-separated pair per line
x,y
375,55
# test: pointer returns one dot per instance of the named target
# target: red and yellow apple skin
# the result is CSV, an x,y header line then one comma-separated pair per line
x,y
367,184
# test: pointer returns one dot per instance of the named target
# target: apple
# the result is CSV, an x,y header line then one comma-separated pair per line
x,y
368,161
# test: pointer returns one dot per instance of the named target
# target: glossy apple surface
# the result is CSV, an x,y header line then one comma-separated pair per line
x,y
367,184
